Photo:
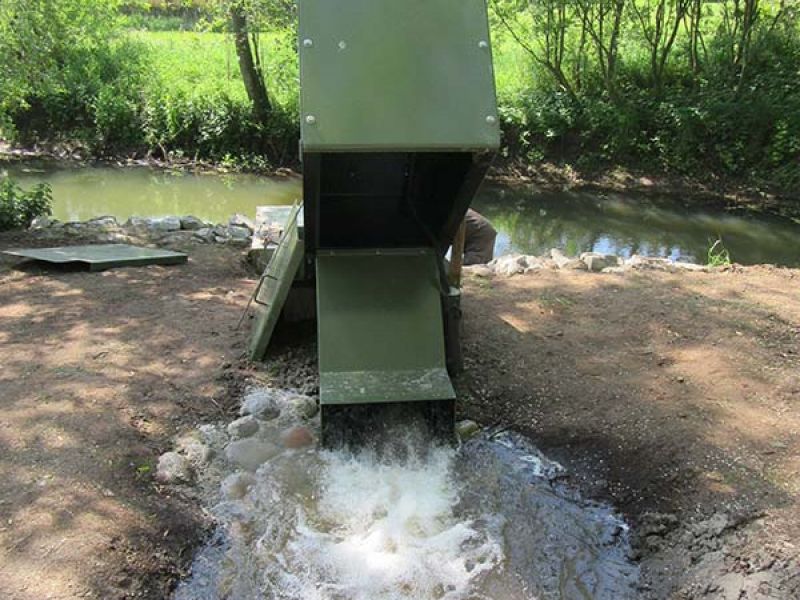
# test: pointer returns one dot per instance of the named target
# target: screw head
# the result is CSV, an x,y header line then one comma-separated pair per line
x,y
311,119
308,42
483,44
491,119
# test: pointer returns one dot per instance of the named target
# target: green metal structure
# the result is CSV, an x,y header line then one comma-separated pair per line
x,y
398,127
99,257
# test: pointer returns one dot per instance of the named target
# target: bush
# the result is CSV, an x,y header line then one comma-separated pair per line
x,y
18,208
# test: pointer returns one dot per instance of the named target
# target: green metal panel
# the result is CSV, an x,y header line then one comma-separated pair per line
x,y
380,327
396,75
102,256
275,284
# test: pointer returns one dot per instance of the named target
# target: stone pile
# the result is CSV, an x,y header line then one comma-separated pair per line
x,y
521,264
157,230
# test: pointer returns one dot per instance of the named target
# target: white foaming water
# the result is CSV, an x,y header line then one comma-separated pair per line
x,y
484,521
384,530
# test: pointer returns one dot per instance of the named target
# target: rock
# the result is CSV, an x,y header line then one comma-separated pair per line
x,y
249,454
565,262
236,486
484,271
239,220
615,270
261,404
112,237
176,237
466,429
297,437
41,222
164,224
105,223
239,235
687,266
647,262
243,427
173,468
302,406
509,265
596,262
191,223
204,234
136,223
194,449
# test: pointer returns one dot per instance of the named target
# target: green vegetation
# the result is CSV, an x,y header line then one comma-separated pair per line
x,y
696,87
718,255
18,207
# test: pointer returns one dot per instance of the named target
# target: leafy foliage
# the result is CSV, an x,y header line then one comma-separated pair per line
x,y
696,87
18,207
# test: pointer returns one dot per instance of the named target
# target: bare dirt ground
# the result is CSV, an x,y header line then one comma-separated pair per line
x,y
97,372
675,396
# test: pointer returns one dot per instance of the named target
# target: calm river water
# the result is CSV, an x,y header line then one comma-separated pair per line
x,y
528,221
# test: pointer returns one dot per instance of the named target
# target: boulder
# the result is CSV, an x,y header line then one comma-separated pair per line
x,y
302,406
204,234
239,220
509,265
648,262
261,404
191,223
243,427
173,468
466,429
41,222
194,449
297,437
164,224
239,235
236,486
565,262
106,223
249,454
615,270
596,262
136,223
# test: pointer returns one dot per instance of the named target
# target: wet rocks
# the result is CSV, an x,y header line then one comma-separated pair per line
x,y
466,429
297,437
261,405
164,224
174,468
194,450
244,427
249,453
204,234
302,406
236,486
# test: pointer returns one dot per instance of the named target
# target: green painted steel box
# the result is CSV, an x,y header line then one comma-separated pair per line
x,y
386,75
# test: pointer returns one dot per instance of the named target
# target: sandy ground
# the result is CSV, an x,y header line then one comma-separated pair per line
x,y
676,396
97,372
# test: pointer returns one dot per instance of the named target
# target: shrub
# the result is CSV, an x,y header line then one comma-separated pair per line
x,y
18,207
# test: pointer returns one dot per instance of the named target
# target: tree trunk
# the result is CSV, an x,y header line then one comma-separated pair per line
x,y
251,75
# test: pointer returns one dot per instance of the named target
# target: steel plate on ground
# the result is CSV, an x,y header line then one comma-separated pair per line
x,y
102,256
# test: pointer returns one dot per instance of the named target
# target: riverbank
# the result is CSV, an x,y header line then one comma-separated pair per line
x,y
667,392
543,176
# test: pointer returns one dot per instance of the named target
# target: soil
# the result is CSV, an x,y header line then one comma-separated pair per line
x,y
674,396
98,372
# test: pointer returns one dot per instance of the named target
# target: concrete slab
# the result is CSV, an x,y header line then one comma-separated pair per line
x,y
102,256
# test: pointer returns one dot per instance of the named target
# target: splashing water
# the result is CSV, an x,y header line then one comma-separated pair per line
x,y
481,521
